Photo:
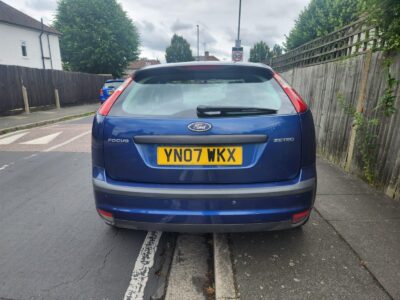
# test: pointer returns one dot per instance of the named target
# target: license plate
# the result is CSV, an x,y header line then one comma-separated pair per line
x,y
200,156
110,91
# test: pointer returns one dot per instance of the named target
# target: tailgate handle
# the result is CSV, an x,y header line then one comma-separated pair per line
x,y
201,139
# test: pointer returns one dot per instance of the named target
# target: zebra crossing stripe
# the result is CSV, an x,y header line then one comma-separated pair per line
x,y
42,140
11,139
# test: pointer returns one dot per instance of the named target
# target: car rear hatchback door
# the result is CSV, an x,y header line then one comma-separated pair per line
x,y
203,124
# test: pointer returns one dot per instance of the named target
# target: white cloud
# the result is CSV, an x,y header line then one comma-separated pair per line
x,y
157,20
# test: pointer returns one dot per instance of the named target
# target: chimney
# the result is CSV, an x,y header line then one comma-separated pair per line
x,y
206,54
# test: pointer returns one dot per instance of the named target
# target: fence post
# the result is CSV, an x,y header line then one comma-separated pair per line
x,y
360,107
25,97
58,106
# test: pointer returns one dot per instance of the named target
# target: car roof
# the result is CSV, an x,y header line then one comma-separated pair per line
x,y
206,63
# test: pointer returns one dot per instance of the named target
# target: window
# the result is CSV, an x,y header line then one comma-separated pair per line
x,y
113,84
23,49
175,92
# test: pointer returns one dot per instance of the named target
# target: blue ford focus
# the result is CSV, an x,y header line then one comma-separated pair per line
x,y
209,147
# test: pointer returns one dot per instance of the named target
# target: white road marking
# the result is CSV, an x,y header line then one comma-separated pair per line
x,y
6,166
31,156
2,168
67,141
144,262
12,133
42,140
11,139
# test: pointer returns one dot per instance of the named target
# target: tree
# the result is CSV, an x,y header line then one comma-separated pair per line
x,y
260,52
179,50
385,14
277,50
97,36
321,17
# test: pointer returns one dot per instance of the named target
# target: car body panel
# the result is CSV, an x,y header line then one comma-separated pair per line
x,y
258,165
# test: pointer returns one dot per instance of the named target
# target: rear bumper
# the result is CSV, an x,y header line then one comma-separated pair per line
x,y
205,208
201,193
201,228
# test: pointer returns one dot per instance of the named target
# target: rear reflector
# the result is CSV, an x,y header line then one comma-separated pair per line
x,y
106,106
107,216
298,103
296,218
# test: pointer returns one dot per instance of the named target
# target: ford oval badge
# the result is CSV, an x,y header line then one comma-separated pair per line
x,y
199,126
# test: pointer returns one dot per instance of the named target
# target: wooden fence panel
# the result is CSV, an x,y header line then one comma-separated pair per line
x,y
322,85
73,87
350,40
10,89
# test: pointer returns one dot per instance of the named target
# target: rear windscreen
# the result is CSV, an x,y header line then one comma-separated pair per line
x,y
113,84
177,92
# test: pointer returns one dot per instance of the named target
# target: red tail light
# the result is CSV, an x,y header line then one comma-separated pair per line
x,y
107,216
298,103
296,218
101,92
106,107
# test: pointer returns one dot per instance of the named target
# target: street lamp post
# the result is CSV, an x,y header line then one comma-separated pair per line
x,y
238,32
237,51
198,43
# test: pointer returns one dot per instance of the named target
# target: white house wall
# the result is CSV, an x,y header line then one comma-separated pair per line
x,y
11,38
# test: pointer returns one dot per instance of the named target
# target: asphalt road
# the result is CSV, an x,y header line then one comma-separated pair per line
x,y
53,245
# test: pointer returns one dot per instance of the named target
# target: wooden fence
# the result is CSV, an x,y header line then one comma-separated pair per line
x,y
361,82
353,39
73,87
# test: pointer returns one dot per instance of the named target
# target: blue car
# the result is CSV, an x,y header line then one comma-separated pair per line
x,y
108,88
204,147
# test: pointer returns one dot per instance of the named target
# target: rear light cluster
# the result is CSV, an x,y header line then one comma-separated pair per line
x,y
101,92
107,216
106,107
296,218
298,103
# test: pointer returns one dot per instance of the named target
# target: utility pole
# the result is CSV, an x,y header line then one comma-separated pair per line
x,y
237,51
198,43
238,42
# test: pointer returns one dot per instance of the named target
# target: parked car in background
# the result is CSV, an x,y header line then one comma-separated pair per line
x,y
204,147
108,88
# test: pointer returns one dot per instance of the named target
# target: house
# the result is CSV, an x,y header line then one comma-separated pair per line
x,y
27,42
140,63
207,57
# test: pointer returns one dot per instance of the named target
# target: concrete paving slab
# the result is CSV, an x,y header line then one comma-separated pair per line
x,y
189,268
378,244
369,222
309,263
223,270
357,207
334,181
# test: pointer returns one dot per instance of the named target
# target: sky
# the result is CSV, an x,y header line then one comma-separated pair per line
x,y
158,20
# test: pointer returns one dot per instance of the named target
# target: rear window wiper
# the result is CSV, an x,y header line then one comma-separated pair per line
x,y
231,111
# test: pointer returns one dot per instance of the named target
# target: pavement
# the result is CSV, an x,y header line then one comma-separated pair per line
x,y
42,117
53,245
